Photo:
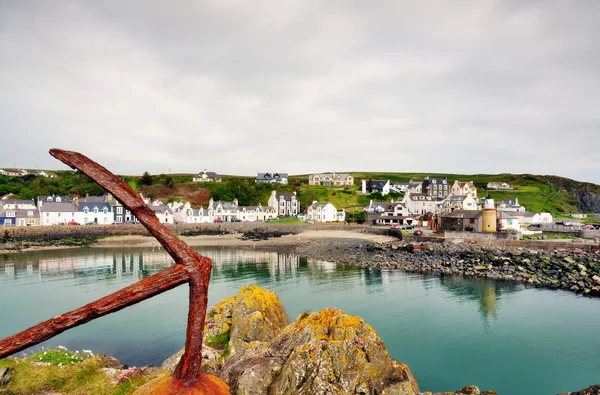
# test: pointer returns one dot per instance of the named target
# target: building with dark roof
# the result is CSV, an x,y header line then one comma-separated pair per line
x,y
286,204
463,221
280,178
207,176
372,186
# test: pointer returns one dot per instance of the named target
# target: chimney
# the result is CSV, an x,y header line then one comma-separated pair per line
x,y
235,201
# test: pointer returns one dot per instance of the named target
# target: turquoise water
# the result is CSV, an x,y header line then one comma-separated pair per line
x,y
450,331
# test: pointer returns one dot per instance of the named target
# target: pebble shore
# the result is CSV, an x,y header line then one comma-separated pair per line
x,y
573,269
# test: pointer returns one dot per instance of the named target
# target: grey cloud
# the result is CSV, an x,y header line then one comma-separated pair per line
x,y
302,86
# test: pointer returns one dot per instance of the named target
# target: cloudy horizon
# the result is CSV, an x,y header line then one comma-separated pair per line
x,y
237,87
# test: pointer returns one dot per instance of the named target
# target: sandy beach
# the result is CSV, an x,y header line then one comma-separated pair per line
x,y
236,240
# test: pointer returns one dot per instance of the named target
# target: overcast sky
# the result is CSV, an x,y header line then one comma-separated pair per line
x,y
303,86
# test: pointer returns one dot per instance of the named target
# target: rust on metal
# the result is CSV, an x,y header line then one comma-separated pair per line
x,y
190,268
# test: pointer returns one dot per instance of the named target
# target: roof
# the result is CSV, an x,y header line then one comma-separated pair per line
x,y
24,213
53,207
225,204
97,199
286,195
333,175
271,176
466,214
92,205
45,198
209,174
161,209
506,215
16,201
457,198
376,184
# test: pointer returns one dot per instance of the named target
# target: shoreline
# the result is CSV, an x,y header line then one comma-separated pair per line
x,y
223,240
555,266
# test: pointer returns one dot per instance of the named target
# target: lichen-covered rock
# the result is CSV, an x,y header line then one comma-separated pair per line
x,y
257,315
322,353
237,322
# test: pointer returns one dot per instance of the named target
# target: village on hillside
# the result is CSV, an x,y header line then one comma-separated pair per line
x,y
432,202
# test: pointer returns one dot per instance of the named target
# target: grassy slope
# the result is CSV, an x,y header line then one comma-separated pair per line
x,y
533,192
536,193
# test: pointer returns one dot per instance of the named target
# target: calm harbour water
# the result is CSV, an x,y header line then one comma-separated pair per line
x,y
450,331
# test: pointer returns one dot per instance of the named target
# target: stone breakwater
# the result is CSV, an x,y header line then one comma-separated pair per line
x,y
575,270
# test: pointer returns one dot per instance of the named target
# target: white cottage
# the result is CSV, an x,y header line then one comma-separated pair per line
x,y
324,212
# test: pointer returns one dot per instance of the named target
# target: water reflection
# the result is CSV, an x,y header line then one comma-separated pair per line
x,y
486,292
431,323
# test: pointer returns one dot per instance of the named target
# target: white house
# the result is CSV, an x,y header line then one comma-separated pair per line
x,y
163,213
324,212
256,213
372,186
510,205
223,211
498,185
53,213
15,204
93,213
508,221
422,203
41,200
206,176
464,188
286,204
459,202
184,213
387,208
414,186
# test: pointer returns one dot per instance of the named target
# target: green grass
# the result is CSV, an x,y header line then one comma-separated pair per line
x,y
220,342
65,372
287,221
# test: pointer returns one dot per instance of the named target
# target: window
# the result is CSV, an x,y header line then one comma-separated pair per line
x,y
119,210
31,221
47,214
59,214
30,213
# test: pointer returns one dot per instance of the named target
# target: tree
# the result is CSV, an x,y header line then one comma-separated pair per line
x,y
146,179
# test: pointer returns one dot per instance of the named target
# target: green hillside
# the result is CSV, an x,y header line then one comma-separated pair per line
x,y
537,193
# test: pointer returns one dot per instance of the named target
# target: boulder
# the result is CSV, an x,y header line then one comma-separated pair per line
x,y
254,315
257,315
325,352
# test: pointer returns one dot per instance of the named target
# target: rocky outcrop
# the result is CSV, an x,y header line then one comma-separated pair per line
x,y
254,315
328,352
575,269
321,353
593,390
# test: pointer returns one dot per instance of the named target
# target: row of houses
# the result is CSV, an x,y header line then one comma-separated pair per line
x,y
23,172
104,210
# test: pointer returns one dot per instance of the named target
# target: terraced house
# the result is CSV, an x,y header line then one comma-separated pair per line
x,y
330,179
286,204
